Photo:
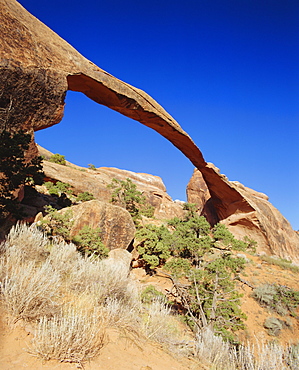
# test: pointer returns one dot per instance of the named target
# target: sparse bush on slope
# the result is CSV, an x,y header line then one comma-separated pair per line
x,y
58,158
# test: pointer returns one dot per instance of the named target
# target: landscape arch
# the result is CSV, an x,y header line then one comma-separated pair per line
x,y
37,69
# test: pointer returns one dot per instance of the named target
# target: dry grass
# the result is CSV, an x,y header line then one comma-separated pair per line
x,y
54,286
29,291
70,299
161,326
75,336
29,241
220,355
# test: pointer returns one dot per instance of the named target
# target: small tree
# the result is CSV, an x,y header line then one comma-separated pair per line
x,y
153,245
15,170
84,197
126,195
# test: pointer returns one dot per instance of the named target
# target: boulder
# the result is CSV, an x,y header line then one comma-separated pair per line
x,y
116,224
120,257
263,223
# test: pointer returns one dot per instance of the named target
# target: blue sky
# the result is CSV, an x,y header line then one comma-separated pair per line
x,y
227,71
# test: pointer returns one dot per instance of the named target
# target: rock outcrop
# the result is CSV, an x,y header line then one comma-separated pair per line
x,y
37,68
264,224
96,181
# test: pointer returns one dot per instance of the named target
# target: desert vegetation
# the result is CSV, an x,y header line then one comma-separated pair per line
x,y
58,158
15,171
68,289
36,277
126,195
72,299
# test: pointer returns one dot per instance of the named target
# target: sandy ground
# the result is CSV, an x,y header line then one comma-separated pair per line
x,y
123,352
119,352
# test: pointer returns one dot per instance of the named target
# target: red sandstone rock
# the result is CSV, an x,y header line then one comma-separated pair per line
x,y
37,67
116,224
96,181
264,224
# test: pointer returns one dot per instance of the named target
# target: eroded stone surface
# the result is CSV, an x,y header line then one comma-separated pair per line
x,y
96,181
264,224
37,68
116,224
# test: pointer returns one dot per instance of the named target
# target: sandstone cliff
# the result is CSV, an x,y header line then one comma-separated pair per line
x,y
265,224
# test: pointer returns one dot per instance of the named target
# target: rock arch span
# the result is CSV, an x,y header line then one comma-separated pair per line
x,y
37,67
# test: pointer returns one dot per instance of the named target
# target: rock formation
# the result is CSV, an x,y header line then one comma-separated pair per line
x,y
96,181
264,224
116,224
37,68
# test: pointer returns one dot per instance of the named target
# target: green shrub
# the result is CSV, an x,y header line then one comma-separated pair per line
x,y
88,242
92,166
225,237
150,294
273,326
58,223
153,245
58,158
189,238
210,297
58,188
277,298
178,266
16,171
85,196
213,297
126,195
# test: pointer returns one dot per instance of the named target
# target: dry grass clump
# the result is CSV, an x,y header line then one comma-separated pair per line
x,y
161,326
70,299
74,336
29,241
30,292
220,355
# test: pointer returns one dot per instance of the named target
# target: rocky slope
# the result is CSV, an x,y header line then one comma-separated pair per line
x,y
265,224
96,180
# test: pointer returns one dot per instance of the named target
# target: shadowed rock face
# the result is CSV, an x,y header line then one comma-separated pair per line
x,y
37,67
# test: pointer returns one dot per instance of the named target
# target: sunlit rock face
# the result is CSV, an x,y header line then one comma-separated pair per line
x,y
37,68
265,224
96,182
